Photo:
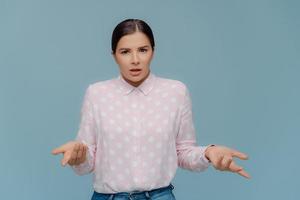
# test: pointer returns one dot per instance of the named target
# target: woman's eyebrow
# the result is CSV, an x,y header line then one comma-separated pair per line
x,y
124,49
146,46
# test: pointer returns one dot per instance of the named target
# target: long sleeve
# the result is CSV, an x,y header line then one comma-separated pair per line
x,y
190,156
87,135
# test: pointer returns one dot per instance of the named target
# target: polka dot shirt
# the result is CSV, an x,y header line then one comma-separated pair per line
x,y
138,136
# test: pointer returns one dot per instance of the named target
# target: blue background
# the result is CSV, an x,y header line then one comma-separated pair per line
x,y
239,59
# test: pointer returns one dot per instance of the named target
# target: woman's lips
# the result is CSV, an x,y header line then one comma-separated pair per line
x,y
135,72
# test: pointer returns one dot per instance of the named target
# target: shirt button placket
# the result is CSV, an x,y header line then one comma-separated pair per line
x,y
139,130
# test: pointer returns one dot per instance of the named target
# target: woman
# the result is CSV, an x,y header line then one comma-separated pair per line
x,y
137,128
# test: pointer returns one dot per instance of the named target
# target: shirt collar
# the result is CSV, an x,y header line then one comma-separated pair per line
x,y
145,87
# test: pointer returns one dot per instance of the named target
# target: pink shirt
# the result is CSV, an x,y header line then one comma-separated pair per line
x,y
138,136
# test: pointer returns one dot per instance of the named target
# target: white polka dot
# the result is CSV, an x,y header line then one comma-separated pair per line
x,y
173,114
149,99
111,136
152,170
150,124
111,108
127,123
127,171
164,95
158,145
150,111
96,107
150,139
134,133
110,95
120,161
159,130
157,91
126,138
134,105
135,149
142,107
112,167
165,137
166,108
157,116
134,163
151,154
157,103
103,99
119,145
120,177
135,119
173,100
143,148
119,129
144,164
112,152
103,87
165,121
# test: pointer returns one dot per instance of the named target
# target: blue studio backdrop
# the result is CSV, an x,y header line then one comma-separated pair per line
x,y
239,59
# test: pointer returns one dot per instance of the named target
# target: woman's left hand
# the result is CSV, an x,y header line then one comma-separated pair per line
x,y
221,158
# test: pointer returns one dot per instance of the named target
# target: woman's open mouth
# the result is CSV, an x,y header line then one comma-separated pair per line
x,y
135,71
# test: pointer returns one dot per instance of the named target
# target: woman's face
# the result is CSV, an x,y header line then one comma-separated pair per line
x,y
133,55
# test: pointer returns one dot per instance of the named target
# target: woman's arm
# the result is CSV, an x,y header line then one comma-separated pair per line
x,y
80,154
190,155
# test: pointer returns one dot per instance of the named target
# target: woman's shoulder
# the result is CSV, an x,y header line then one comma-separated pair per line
x,y
101,85
171,84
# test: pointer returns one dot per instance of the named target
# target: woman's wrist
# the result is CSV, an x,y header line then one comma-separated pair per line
x,y
207,150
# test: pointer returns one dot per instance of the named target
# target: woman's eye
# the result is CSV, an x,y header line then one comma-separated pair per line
x,y
143,50
124,52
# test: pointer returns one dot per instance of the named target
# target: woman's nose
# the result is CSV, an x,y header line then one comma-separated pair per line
x,y
135,59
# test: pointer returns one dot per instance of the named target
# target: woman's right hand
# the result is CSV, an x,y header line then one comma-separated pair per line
x,y
74,153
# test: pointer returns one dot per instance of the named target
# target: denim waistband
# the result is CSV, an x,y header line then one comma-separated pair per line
x,y
135,194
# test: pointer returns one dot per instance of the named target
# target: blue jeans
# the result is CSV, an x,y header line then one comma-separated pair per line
x,y
164,193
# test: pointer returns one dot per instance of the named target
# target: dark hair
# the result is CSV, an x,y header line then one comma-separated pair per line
x,y
130,26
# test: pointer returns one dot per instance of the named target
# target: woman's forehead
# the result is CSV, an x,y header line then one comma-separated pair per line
x,y
134,40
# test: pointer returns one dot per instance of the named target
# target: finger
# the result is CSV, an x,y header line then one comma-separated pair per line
x,y
82,159
66,158
226,161
80,151
244,174
234,167
79,154
58,150
73,155
239,155
63,148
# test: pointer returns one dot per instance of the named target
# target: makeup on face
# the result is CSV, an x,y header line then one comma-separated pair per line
x,y
133,55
